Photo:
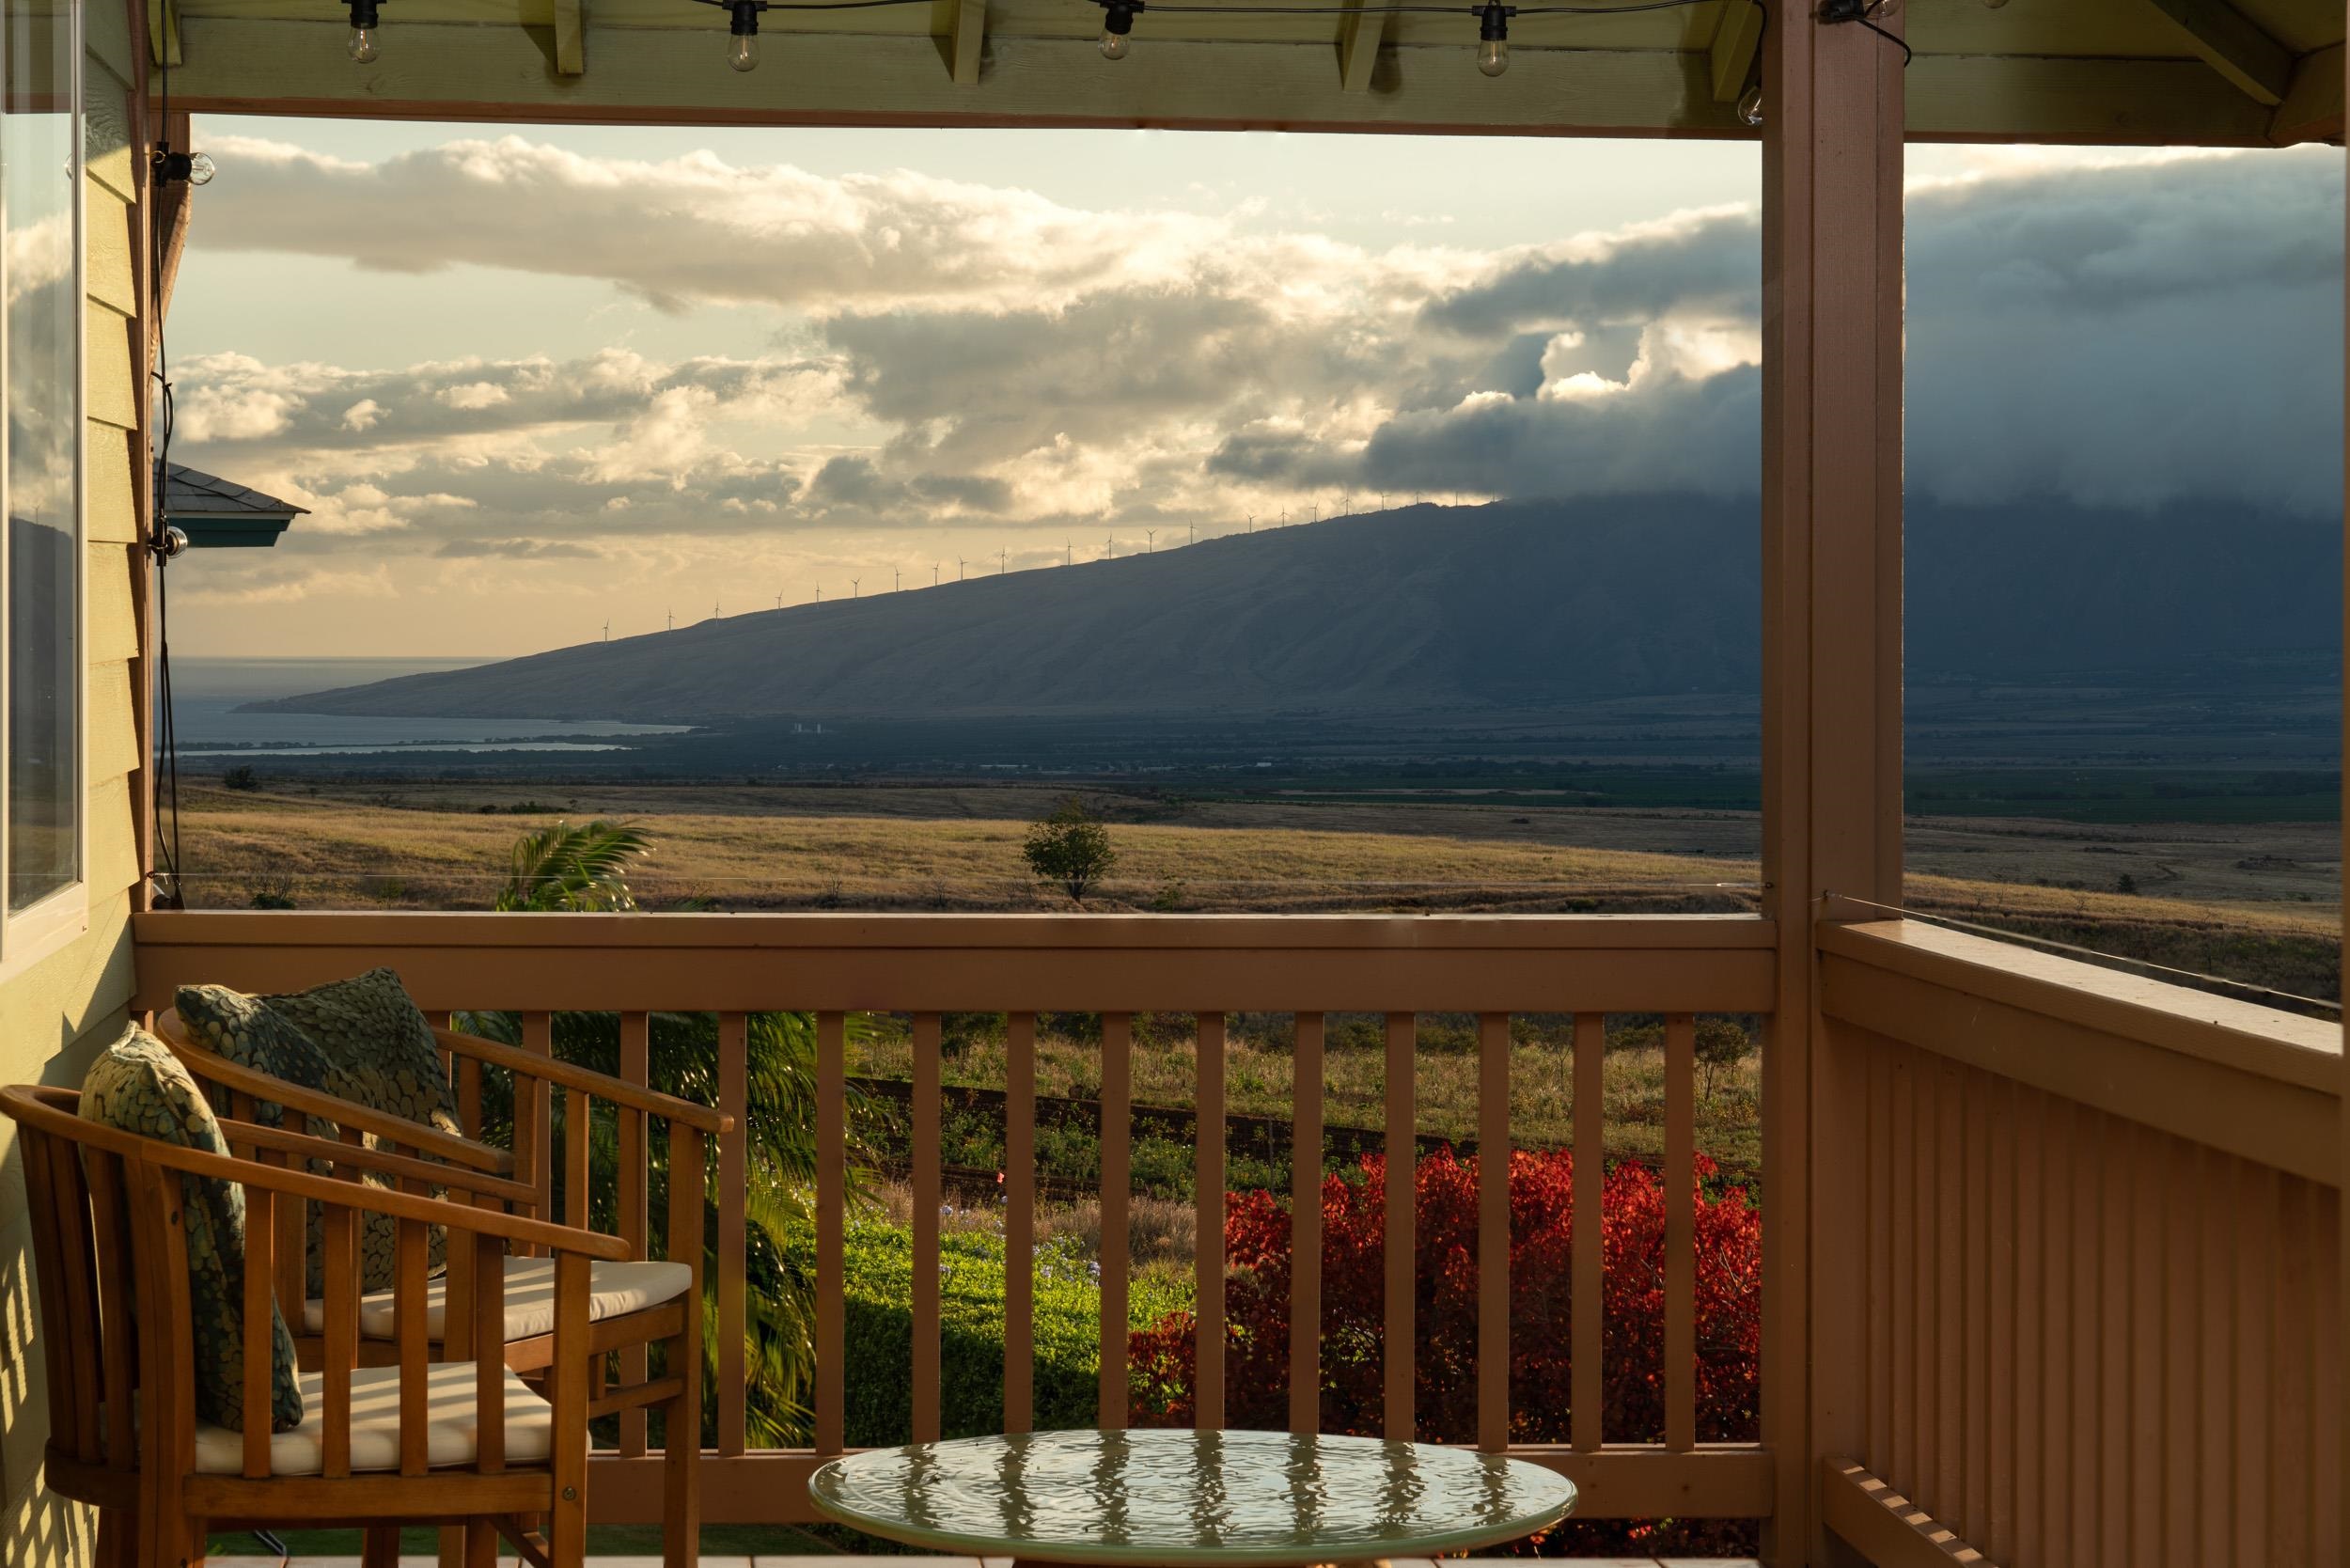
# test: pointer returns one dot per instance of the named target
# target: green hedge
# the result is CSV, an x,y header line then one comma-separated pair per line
x,y
880,1332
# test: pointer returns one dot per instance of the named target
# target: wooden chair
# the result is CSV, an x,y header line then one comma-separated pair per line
x,y
457,1442
634,1300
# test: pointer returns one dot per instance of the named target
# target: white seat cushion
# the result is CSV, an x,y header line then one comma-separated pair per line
x,y
450,1430
613,1290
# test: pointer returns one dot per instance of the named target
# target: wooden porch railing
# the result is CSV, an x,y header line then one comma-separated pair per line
x,y
836,965
2087,1298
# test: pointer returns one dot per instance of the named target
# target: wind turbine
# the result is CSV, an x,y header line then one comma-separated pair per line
x,y
1150,542
934,574
1003,562
820,593
959,564
854,583
672,621
713,609
607,631
1252,522
893,579
1069,552
1195,533
1285,517
1109,544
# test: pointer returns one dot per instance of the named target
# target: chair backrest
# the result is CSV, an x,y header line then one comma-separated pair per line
x,y
86,1259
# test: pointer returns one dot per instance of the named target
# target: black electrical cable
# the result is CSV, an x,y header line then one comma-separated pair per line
x,y
167,763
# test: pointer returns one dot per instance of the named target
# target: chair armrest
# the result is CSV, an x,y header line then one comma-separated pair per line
x,y
360,1157
448,1147
603,1086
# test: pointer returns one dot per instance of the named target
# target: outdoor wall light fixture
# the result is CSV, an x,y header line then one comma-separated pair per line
x,y
361,48
193,169
1118,23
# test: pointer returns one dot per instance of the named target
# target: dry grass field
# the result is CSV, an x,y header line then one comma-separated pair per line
x,y
2256,903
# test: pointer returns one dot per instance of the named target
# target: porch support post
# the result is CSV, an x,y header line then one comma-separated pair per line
x,y
1831,692
2342,1329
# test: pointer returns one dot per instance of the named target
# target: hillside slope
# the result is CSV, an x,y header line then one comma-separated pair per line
x,y
1516,606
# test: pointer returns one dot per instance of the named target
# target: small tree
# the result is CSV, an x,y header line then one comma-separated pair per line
x,y
242,777
1721,1045
1072,848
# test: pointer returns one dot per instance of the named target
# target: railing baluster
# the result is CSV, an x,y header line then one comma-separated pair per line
x,y
631,1199
118,1356
832,1135
289,1247
1590,1177
489,1330
1492,1231
1019,1221
534,1150
927,1199
1681,1268
1399,1355
1116,1187
1305,1227
1208,1248
734,1096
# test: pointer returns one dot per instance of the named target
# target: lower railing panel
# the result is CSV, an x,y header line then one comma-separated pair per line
x,y
2082,1340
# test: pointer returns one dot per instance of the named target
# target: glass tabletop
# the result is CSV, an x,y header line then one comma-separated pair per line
x,y
1229,1498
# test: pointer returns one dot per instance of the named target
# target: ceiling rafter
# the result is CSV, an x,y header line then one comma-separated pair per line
x,y
1359,37
969,37
570,38
2235,46
163,32
1736,41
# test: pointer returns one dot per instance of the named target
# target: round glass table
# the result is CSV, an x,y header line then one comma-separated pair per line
x,y
1213,1499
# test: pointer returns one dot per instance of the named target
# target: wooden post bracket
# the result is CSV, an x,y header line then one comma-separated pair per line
x,y
970,34
1359,38
2235,46
1885,1527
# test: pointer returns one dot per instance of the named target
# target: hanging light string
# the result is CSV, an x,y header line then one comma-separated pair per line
x,y
1493,19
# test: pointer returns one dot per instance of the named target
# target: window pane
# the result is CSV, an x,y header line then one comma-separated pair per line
x,y
38,188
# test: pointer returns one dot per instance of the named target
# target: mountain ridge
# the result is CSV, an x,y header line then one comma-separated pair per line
x,y
1511,607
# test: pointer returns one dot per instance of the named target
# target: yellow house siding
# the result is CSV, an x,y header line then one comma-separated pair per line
x,y
55,1013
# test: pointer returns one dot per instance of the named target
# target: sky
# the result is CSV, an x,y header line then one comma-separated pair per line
x,y
533,382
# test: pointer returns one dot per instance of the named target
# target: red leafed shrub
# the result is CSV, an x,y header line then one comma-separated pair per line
x,y
1443,1350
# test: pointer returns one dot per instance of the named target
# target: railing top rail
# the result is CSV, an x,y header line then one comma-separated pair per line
x,y
2266,1042
913,963
1106,933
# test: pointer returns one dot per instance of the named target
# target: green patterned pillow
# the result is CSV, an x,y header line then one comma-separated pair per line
x,y
138,1086
368,1027
250,1033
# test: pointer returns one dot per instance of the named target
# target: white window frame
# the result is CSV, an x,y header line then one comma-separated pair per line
x,y
31,934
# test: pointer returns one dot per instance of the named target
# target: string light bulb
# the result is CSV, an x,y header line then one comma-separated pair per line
x,y
1492,37
1118,25
1750,105
743,35
361,46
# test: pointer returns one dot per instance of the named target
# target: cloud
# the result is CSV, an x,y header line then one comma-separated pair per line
x,y
973,355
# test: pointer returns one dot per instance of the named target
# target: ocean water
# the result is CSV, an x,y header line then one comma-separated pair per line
x,y
208,693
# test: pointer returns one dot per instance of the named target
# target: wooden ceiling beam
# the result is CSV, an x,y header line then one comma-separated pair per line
x,y
969,38
2235,46
449,70
570,38
1736,41
2311,111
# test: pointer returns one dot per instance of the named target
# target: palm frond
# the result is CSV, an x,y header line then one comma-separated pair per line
x,y
567,867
